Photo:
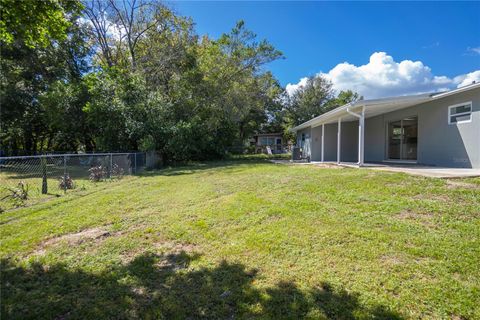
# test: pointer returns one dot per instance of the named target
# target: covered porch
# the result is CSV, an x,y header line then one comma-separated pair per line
x,y
355,133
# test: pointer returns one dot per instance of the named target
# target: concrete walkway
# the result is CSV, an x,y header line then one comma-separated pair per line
x,y
426,171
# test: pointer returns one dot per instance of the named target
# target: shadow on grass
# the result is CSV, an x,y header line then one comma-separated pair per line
x,y
163,287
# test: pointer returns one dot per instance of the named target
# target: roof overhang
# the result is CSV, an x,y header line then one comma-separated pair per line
x,y
377,107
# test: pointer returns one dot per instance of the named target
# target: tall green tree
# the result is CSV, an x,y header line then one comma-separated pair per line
x,y
186,98
314,98
36,23
310,100
41,93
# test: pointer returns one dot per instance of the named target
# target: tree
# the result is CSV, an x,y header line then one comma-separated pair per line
x,y
237,88
118,27
133,75
310,100
313,99
35,23
41,93
343,98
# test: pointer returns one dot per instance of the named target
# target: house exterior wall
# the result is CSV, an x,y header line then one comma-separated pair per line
x,y
330,140
316,143
330,152
349,143
375,139
439,143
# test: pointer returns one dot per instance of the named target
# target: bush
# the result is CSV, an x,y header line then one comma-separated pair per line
x,y
66,182
18,194
117,171
97,173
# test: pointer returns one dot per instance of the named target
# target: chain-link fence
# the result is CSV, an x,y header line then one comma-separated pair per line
x,y
33,177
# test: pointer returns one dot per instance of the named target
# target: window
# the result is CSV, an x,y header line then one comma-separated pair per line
x,y
460,113
267,141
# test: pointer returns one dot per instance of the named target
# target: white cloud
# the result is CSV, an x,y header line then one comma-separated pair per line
x,y
114,31
382,76
466,79
473,51
291,88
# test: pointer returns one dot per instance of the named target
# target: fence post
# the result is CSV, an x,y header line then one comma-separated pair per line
x,y
111,166
135,160
65,174
43,162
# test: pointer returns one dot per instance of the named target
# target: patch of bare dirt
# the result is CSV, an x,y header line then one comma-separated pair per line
x,y
456,184
80,237
392,260
171,247
72,239
329,166
436,197
422,218
409,214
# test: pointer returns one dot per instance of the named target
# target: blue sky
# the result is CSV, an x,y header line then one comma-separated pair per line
x,y
438,42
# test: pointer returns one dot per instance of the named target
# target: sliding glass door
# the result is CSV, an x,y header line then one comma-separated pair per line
x,y
402,139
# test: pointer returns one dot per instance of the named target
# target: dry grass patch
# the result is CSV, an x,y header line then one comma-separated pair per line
x,y
432,197
425,219
329,166
390,260
456,184
96,234
73,239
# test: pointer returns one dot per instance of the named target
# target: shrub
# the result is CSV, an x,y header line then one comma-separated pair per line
x,y
18,194
97,173
66,182
117,171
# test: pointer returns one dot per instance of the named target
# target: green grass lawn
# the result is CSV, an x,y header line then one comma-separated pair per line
x,y
247,239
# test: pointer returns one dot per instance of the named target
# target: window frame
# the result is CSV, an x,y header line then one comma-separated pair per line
x,y
450,115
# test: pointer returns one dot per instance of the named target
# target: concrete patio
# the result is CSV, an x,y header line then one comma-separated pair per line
x,y
413,169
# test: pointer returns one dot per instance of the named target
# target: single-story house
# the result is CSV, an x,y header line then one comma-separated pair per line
x,y
275,141
439,129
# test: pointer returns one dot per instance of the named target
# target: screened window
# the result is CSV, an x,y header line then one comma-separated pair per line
x,y
460,113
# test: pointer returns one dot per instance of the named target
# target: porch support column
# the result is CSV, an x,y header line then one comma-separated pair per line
x,y
323,141
361,134
361,138
339,138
